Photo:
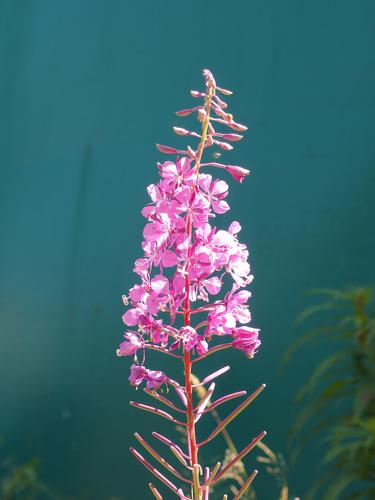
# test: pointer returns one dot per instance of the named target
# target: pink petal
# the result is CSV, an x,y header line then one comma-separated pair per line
x,y
131,317
220,207
235,227
169,258
219,187
159,284
213,285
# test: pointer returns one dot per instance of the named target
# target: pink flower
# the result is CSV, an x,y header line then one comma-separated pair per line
x,y
247,340
131,345
137,374
176,174
221,321
153,378
189,339
158,294
215,191
239,173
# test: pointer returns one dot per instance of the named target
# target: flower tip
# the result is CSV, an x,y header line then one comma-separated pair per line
x,y
224,91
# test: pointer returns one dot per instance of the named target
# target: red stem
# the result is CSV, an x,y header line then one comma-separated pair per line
x,y
192,441
193,448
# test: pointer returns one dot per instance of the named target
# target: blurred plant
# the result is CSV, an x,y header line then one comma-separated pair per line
x,y
236,476
341,393
21,481
186,262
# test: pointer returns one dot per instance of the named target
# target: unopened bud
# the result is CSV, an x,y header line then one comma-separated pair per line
x,y
196,93
209,77
166,149
188,111
192,154
232,137
220,102
224,91
224,145
201,115
180,131
237,126
238,173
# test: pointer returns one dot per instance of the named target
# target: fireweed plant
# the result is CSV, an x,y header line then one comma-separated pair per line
x,y
185,263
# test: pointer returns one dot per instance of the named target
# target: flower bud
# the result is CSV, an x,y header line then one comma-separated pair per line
x,y
232,137
166,149
237,126
180,131
238,173
220,102
224,145
196,93
224,91
201,115
209,77
188,111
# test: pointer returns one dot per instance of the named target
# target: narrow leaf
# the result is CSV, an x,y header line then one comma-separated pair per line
x,y
160,459
179,457
211,477
154,471
169,442
319,371
224,399
204,402
246,485
155,492
240,455
206,491
213,375
156,411
233,415
214,349
163,399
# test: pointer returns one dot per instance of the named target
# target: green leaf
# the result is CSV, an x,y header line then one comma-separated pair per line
x,y
319,371
303,339
311,311
368,425
338,486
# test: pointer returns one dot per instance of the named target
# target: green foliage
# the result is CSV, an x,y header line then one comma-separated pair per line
x,y
20,480
339,396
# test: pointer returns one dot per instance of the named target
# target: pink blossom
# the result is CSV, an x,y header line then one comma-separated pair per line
x,y
189,339
176,174
131,345
247,340
153,378
215,191
138,373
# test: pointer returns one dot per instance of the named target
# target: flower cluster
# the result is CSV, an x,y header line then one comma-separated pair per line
x,y
187,261
200,255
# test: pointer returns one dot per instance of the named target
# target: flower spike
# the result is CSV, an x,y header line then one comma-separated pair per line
x,y
176,309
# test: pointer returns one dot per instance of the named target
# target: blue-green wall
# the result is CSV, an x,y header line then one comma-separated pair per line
x,y
86,89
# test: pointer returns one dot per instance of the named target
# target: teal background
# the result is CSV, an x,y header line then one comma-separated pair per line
x,y
86,89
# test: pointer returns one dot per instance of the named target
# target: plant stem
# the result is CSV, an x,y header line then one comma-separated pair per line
x,y
192,441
